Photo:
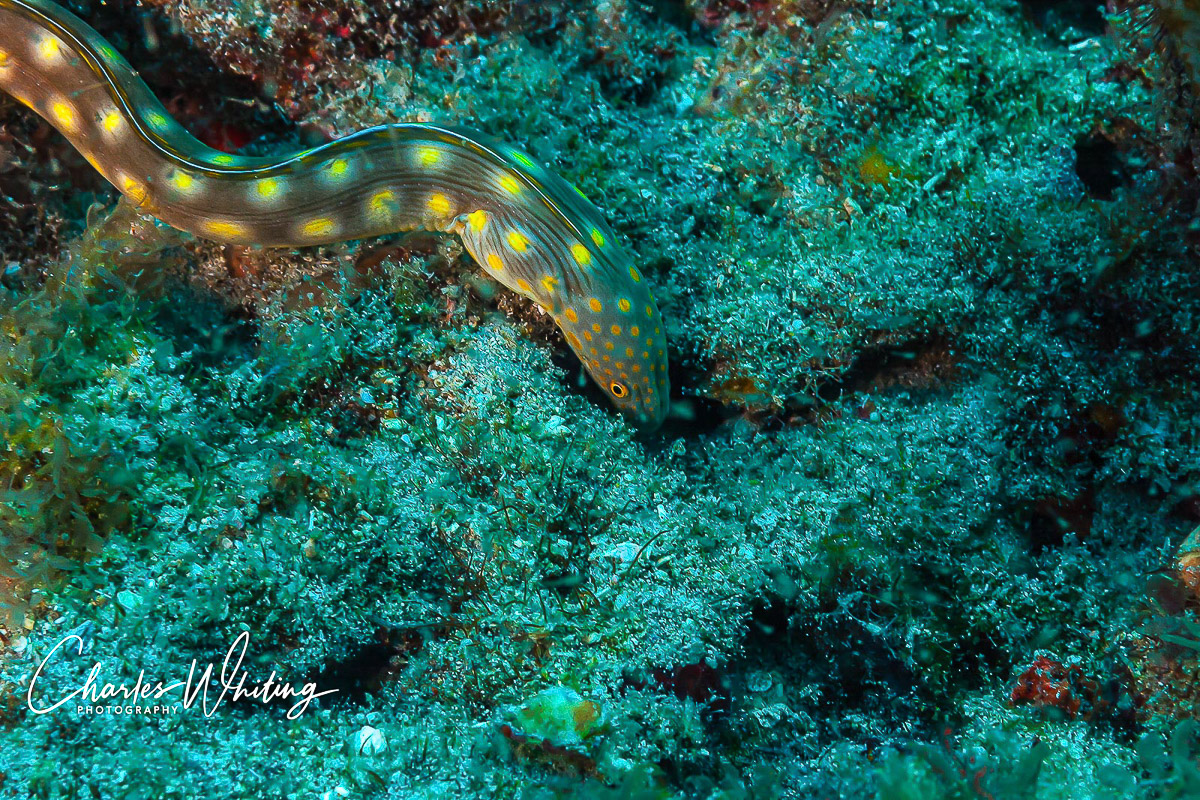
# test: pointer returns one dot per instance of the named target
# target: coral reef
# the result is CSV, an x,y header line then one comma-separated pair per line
x,y
916,528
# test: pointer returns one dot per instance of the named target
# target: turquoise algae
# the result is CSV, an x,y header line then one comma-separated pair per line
x,y
917,525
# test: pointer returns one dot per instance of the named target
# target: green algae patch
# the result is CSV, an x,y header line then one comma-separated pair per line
x,y
556,717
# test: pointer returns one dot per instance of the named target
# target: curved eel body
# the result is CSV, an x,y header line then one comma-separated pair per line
x,y
526,226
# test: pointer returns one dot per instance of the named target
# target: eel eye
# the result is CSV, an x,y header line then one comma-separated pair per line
x,y
618,389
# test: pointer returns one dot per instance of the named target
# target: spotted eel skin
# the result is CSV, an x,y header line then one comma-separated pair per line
x,y
526,226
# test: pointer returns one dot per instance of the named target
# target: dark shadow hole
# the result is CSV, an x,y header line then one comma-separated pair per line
x,y
1086,16
1099,167
357,674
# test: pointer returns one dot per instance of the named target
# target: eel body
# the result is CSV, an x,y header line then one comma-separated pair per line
x,y
527,227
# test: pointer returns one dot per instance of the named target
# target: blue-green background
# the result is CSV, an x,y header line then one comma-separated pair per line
x,y
929,271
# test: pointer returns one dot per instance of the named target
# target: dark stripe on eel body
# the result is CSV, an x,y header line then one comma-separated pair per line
x,y
527,227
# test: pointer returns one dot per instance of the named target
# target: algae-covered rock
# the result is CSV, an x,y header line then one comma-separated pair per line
x,y
556,717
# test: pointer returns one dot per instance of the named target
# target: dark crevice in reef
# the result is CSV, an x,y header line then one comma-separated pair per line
x,y
1109,324
360,672
1099,166
1054,16
840,659
676,14
366,666
1051,519
633,85
692,415
923,363
44,182
1122,324
200,325
695,416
